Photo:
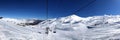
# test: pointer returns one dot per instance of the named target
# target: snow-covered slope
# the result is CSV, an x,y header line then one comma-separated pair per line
x,y
93,28
71,27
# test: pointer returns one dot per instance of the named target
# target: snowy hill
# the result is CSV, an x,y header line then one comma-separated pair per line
x,y
71,27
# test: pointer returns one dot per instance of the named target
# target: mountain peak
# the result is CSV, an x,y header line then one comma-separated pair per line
x,y
71,18
73,15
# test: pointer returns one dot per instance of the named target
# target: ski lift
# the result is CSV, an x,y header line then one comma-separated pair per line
x,y
47,28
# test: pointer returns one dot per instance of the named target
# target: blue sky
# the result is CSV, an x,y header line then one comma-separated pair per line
x,y
57,8
22,8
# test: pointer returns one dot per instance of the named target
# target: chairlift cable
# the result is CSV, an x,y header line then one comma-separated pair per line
x,y
83,7
47,9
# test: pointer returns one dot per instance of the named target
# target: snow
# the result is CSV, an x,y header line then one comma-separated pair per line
x,y
73,27
72,18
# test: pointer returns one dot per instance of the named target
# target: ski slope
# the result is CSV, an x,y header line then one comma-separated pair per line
x,y
73,27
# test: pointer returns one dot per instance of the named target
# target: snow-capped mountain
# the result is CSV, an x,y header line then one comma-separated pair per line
x,y
71,27
22,22
92,26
